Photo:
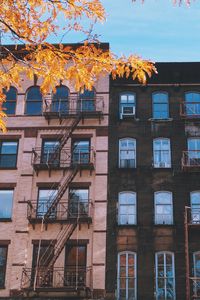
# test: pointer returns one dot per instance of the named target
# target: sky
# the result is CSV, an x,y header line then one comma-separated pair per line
x,y
156,29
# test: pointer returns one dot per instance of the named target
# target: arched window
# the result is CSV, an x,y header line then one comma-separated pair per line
x,y
163,208
11,98
127,208
192,104
127,276
127,153
160,105
195,207
87,100
161,153
165,276
33,101
196,281
60,102
127,105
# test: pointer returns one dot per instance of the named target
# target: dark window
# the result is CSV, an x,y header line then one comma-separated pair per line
x,y
33,101
11,97
6,202
3,260
50,152
78,202
45,199
8,154
81,152
87,100
160,106
75,266
192,104
60,101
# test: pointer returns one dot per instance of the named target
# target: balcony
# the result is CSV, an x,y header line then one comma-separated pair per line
x,y
66,158
66,211
190,110
56,279
72,106
191,160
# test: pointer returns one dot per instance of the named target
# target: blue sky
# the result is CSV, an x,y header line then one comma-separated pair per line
x,y
156,30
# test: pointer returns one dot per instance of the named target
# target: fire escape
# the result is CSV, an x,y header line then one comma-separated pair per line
x,y
191,224
45,276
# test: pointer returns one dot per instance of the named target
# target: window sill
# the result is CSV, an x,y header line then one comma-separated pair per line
x,y
161,120
2,287
10,168
5,220
126,225
164,225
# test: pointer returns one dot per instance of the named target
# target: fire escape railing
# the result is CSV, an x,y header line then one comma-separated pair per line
x,y
193,216
191,159
64,211
66,278
62,158
190,109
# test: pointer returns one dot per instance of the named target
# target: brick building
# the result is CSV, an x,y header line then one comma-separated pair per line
x,y
53,192
154,160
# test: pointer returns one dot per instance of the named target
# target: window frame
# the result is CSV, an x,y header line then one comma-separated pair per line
x,y
70,201
33,101
127,205
167,104
191,103
10,101
165,277
75,140
82,98
4,268
11,212
195,290
192,209
126,93
127,253
65,100
56,161
9,141
168,165
134,150
155,205
40,214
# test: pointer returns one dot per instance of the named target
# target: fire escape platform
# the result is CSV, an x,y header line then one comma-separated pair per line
x,y
69,220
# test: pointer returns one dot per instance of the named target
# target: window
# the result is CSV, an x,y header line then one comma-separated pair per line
x,y
162,153
194,151
126,276
127,153
78,202
3,261
8,154
75,266
45,200
87,100
60,101
196,280
127,105
50,152
127,208
192,104
160,105
81,152
6,202
163,208
33,101
11,98
195,207
165,276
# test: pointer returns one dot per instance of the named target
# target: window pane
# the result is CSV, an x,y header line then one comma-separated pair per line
x,y
9,107
45,199
33,94
33,108
9,148
6,200
78,202
3,257
81,152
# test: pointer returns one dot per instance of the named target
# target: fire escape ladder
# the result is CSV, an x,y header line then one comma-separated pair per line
x,y
61,190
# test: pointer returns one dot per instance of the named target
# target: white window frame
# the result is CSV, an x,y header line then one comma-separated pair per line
x,y
128,212
195,290
127,253
192,107
127,149
165,275
168,216
195,216
194,154
157,103
11,191
129,104
162,163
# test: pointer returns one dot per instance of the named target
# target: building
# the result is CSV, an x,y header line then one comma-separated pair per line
x,y
53,192
153,237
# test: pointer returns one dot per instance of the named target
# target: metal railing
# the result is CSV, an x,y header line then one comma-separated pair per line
x,y
191,159
190,109
65,210
56,158
73,105
193,216
195,284
73,277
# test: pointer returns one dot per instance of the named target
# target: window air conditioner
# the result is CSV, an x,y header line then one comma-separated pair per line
x,y
127,111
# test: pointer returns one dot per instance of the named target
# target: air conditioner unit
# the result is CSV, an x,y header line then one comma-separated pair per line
x,y
127,111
